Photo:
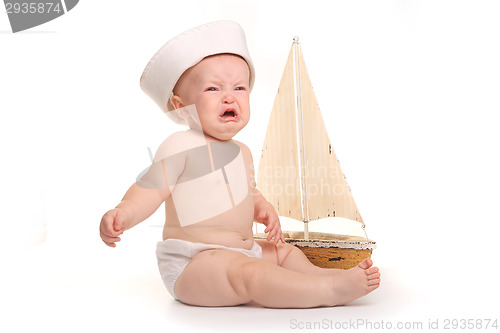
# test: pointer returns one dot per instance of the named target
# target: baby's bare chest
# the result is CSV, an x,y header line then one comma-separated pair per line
x,y
214,181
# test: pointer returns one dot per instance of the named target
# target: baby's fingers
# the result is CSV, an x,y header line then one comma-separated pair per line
x,y
278,234
277,237
110,244
111,224
274,233
110,241
270,235
119,222
107,224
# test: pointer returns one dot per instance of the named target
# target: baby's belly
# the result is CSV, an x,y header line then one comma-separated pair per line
x,y
232,228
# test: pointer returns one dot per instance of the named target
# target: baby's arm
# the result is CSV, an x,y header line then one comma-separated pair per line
x,y
137,205
145,196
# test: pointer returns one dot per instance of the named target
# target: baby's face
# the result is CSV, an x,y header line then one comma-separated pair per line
x,y
219,88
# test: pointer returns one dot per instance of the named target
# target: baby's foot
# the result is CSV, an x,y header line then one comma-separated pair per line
x,y
355,283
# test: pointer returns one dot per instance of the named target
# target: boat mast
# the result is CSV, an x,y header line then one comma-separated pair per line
x,y
300,137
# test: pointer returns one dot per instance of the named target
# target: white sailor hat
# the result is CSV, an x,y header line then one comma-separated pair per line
x,y
186,50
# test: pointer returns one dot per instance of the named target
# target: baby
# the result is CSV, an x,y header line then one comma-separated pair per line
x,y
208,256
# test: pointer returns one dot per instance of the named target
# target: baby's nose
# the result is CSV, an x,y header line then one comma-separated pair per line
x,y
228,98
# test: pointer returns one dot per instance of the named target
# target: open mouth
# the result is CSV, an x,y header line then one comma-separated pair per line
x,y
229,115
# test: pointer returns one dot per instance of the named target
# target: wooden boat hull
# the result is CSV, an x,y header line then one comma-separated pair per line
x,y
335,257
330,250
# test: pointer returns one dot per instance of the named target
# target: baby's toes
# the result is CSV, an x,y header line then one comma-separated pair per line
x,y
373,276
374,282
365,264
371,270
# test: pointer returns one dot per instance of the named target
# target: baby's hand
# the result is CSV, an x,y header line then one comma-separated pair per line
x,y
112,225
267,215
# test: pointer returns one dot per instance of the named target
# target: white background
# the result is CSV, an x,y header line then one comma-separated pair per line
x,y
409,91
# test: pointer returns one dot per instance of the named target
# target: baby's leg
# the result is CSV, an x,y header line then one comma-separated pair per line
x,y
226,278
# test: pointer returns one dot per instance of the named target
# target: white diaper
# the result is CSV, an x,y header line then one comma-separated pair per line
x,y
174,254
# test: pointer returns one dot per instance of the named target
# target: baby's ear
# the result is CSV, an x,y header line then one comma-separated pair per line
x,y
179,107
176,101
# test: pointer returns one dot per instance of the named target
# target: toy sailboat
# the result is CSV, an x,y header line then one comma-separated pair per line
x,y
300,175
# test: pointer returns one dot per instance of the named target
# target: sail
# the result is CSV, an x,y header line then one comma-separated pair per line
x,y
299,172
278,177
